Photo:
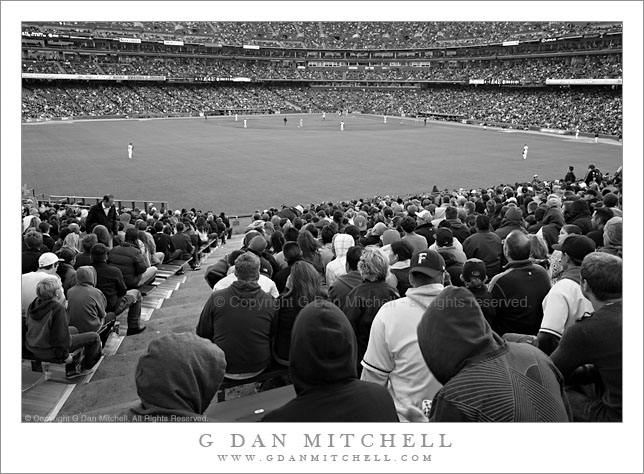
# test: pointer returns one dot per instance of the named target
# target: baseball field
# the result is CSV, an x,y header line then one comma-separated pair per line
x,y
219,165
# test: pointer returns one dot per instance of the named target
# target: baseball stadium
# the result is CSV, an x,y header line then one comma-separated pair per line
x,y
321,221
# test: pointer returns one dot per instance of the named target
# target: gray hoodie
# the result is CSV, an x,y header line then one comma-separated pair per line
x,y
85,303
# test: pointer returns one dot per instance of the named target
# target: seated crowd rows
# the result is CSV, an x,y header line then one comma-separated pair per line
x,y
533,69
497,304
588,110
98,263
340,35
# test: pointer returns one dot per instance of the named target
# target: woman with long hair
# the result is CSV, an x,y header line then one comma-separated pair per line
x,y
103,235
303,287
310,250
538,251
202,228
277,243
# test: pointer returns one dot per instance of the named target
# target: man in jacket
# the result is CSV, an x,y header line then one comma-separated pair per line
x,y
485,245
103,213
241,320
519,291
460,230
109,280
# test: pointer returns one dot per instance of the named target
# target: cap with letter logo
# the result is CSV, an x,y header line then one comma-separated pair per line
x,y
429,262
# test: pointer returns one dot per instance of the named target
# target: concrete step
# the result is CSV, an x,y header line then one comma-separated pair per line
x,y
100,394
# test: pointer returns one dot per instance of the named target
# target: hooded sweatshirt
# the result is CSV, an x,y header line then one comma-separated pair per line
x,y
393,356
513,220
613,237
400,270
47,331
580,215
177,378
240,319
322,365
341,245
484,377
85,303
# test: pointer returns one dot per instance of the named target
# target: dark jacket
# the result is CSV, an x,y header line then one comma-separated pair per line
x,y
580,215
289,307
452,266
130,261
484,299
47,330
460,230
281,277
82,259
550,234
67,275
96,216
362,304
487,246
518,293
402,276
596,340
241,320
109,280
183,242
322,365
485,378
48,241
596,236
427,231
30,260
508,225
164,244
342,286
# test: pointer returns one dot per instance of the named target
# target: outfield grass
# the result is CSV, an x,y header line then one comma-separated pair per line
x,y
216,164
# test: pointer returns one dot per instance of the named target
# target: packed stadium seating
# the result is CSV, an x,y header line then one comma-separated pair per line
x,y
592,109
340,35
408,62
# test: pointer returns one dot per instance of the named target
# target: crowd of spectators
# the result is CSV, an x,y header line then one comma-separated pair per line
x,y
42,67
340,35
80,66
590,110
533,70
553,247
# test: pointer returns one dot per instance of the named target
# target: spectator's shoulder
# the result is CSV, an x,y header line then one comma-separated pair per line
x,y
539,270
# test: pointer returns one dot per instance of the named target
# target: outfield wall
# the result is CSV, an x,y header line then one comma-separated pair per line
x,y
502,125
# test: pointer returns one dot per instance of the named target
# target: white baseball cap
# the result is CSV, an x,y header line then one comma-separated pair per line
x,y
47,259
